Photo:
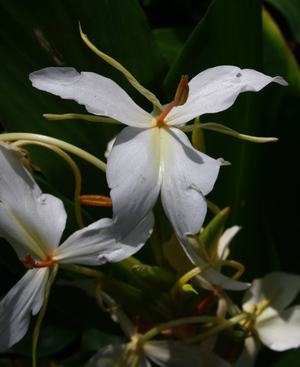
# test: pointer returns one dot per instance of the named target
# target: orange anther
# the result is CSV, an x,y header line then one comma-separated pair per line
x,y
182,92
95,200
29,262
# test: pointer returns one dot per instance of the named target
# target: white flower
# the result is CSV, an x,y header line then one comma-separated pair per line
x,y
164,353
276,327
152,156
33,224
184,262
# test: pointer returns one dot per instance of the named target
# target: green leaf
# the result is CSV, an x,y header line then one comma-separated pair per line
x,y
290,9
94,339
27,30
171,40
230,33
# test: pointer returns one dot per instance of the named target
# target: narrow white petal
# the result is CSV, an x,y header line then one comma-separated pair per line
x,y
110,355
188,175
107,356
133,174
224,241
281,332
249,353
288,286
216,89
217,278
96,244
120,317
31,222
100,95
172,353
25,297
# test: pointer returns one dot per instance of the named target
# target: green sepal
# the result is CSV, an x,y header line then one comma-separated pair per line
x,y
213,229
160,278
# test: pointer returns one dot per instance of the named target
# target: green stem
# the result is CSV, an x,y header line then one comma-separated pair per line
x,y
226,130
76,116
214,330
175,323
59,143
42,313
85,271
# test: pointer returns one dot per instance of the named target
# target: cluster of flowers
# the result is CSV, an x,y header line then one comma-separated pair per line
x,y
151,156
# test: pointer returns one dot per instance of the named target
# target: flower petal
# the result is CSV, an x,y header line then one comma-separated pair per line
x,y
109,357
216,89
288,286
133,174
100,95
249,353
172,353
281,332
120,317
25,297
217,278
31,222
96,244
224,241
188,175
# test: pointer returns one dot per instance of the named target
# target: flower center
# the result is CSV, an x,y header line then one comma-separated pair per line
x,y
30,263
181,97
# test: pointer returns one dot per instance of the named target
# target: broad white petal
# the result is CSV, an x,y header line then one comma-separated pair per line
x,y
288,286
249,353
281,332
100,95
25,297
133,174
188,175
224,242
172,353
31,222
216,89
96,244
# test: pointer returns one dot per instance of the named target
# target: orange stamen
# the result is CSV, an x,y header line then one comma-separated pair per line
x,y
182,92
95,200
45,264
161,117
30,263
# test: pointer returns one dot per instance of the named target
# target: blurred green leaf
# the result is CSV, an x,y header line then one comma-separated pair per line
x,y
231,33
52,339
289,358
94,339
171,40
27,29
290,9
74,303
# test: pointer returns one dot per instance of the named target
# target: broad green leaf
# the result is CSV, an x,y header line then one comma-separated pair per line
x,y
230,33
94,339
170,41
117,27
52,339
290,9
